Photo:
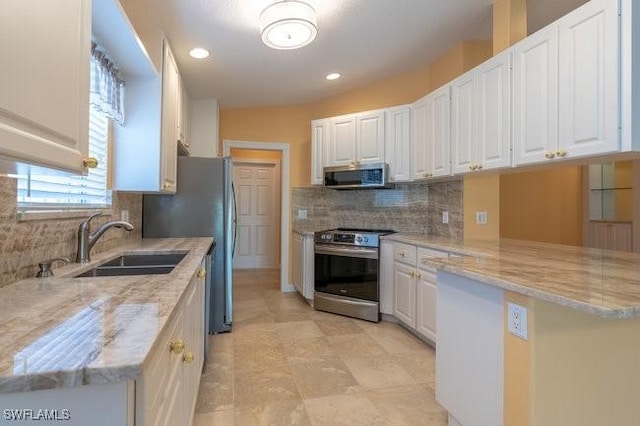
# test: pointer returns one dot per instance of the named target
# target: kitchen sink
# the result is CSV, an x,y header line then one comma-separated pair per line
x,y
136,264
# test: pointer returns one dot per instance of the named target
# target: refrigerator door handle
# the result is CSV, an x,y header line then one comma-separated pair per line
x,y
235,220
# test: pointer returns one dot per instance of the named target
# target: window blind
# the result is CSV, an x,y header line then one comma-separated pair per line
x,y
45,189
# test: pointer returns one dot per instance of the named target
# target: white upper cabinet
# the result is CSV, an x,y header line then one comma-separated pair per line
x,y
535,96
588,80
44,106
319,149
398,142
343,141
566,78
481,117
431,138
170,133
357,138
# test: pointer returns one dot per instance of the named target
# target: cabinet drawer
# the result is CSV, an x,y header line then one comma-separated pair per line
x,y
424,255
404,253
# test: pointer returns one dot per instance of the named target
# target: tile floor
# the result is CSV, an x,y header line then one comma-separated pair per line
x,y
286,364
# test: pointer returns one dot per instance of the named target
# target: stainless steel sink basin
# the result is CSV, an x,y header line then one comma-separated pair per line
x,y
136,264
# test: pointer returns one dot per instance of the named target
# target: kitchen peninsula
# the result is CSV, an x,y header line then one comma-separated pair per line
x,y
578,363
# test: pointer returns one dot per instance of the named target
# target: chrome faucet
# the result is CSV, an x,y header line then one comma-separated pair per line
x,y
86,240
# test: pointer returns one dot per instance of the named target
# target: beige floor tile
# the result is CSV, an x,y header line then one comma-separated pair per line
x,y
264,388
216,384
355,345
286,302
323,378
308,350
249,305
408,405
276,414
343,410
242,318
421,365
393,337
338,326
261,358
221,343
218,418
246,293
375,372
254,333
288,331
291,315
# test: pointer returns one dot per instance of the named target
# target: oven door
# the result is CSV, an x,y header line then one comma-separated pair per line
x,y
347,271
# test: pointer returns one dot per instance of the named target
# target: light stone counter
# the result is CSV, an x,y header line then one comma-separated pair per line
x,y
63,331
600,282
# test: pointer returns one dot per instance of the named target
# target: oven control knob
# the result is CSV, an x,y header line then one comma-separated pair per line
x,y
366,239
326,236
359,239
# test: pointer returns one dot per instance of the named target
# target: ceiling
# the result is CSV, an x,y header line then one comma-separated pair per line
x,y
364,40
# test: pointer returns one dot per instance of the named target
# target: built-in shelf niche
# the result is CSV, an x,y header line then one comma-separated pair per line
x,y
611,192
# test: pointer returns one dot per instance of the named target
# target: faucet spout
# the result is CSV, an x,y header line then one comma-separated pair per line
x,y
86,239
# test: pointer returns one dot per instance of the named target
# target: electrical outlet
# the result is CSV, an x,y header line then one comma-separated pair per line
x,y
302,214
445,217
124,215
481,218
517,317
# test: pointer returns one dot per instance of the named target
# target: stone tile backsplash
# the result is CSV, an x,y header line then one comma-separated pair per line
x,y
409,208
23,244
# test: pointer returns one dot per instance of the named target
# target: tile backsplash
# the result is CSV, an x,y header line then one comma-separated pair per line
x,y
409,208
23,244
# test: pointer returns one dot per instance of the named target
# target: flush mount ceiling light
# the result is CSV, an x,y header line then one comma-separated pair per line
x,y
333,76
288,24
199,53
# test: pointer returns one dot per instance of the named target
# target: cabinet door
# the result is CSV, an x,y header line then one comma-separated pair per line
x,y
398,143
343,141
426,305
463,124
494,112
535,97
183,114
438,132
194,335
44,107
588,79
387,273
419,149
405,294
169,136
298,262
319,150
370,137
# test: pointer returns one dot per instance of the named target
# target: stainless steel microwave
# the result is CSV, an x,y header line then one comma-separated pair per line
x,y
358,176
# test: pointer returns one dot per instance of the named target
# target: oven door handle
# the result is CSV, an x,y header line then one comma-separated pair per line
x,y
333,250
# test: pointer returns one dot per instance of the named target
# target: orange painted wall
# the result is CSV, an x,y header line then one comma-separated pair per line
x,y
252,154
543,205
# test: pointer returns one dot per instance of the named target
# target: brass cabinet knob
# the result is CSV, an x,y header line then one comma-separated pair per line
x,y
561,152
550,154
177,347
418,275
470,166
202,273
478,166
402,254
188,357
90,163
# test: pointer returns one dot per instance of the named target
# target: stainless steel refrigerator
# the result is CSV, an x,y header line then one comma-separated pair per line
x,y
203,206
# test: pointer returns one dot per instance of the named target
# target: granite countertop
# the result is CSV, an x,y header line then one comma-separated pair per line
x,y
601,282
62,331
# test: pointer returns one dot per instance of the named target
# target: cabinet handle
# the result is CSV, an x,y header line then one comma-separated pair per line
x,y
188,357
550,154
561,152
418,275
90,163
177,347
478,166
202,273
402,254
470,166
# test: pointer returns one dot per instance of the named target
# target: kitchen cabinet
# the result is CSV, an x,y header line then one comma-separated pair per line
x,y
145,148
357,138
431,154
319,149
481,117
405,294
398,142
183,115
566,77
44,110
167,391
611,235
303,265
470,356
387,272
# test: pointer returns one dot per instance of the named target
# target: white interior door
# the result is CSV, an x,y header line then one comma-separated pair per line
x,y
257,241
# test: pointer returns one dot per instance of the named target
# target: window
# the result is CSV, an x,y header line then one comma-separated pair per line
x,y
42,188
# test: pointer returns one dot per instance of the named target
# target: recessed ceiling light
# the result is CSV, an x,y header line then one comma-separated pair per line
x,y
333,76
199,53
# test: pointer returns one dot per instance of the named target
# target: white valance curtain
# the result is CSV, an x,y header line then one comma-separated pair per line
x,y
106,88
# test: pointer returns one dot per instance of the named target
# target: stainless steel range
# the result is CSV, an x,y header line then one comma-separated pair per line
x,y
347,273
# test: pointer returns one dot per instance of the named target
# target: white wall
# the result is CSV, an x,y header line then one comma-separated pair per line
x,y
203,127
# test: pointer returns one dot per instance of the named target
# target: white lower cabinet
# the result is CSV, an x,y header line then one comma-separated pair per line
x,y
611,236
414,287
303,264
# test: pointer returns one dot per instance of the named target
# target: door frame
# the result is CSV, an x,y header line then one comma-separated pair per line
x,y
285,194
276,182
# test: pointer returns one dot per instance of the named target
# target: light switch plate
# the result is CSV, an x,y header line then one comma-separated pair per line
x,y
302,214
124,215
445,217
481,218
517,318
